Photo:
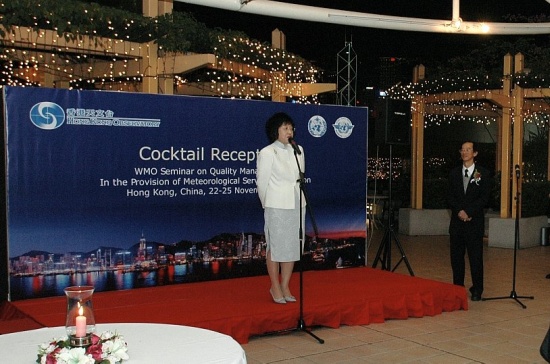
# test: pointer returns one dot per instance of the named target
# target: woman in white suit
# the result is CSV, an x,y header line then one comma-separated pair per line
x,y
279,191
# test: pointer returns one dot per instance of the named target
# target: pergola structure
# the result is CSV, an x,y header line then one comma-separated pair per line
x,y
514,103
57,60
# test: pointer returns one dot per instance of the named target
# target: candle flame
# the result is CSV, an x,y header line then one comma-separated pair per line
x,y
80,310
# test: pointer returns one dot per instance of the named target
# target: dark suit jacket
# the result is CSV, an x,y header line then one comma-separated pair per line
x,y
473,201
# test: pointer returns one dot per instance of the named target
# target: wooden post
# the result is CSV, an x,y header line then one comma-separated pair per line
x,y
498,154
417,151
417,141
49,79
419,73
165,6
278,79
517,146
166,83
150,8
505,140
149,52
148,68
278,39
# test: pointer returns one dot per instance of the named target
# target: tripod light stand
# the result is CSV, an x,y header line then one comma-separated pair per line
x,y
384,250
513,295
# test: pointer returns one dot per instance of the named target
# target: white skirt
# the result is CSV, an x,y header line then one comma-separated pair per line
x,y
282,232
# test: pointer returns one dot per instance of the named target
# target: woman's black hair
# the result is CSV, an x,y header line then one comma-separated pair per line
x,y
274,122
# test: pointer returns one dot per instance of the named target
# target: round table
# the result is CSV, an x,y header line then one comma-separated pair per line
x,y
147,343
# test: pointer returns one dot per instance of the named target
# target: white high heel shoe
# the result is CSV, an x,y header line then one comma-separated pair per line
x,y
290,298
277,300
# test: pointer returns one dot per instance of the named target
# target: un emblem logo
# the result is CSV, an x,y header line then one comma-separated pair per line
x,y
317,126
47,115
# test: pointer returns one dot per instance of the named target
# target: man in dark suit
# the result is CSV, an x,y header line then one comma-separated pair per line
x,y
469,190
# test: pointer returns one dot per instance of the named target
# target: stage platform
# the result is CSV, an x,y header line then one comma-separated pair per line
x,y
243,308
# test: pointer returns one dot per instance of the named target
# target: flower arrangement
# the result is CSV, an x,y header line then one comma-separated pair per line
x,y
476,178
107,348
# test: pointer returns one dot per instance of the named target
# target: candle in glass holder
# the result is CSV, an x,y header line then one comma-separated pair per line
x,y
80,323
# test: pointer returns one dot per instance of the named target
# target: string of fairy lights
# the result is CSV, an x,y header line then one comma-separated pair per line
x,y
244,69
378,168
469,109
238,61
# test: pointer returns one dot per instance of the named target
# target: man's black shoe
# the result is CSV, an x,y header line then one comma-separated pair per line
x,y
476,296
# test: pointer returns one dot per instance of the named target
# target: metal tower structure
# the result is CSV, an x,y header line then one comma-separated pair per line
x,y
346,84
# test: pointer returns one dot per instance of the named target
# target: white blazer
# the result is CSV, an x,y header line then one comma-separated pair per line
x,y
277,176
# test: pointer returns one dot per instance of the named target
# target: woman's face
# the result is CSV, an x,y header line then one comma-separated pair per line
x,y
285,131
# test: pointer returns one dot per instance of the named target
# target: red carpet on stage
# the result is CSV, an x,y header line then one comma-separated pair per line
x,y
243,307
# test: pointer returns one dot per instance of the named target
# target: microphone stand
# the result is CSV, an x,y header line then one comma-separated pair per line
x,y
513,295
301,326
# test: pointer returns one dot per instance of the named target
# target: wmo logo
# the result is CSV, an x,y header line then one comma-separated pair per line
x,y
47,115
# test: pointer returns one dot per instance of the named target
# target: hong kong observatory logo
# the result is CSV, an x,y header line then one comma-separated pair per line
x,y
47,115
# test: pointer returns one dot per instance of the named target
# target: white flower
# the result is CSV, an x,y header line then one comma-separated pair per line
x,y
115,348
46,348
113,351
74,356
106,335
111,359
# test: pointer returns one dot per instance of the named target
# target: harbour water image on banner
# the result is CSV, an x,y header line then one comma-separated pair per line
x,y
150,264
122,191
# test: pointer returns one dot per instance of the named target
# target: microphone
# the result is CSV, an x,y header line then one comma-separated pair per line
x,y
517,171
294,146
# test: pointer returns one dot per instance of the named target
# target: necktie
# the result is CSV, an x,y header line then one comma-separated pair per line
x,y
466,179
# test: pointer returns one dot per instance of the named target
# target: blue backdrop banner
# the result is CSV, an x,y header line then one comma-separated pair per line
x,y
122,190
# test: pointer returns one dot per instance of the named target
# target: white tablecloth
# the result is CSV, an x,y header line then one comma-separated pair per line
x,y
147,343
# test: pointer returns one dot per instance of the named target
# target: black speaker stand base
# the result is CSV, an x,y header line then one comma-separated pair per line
x,y
300,327
514,296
